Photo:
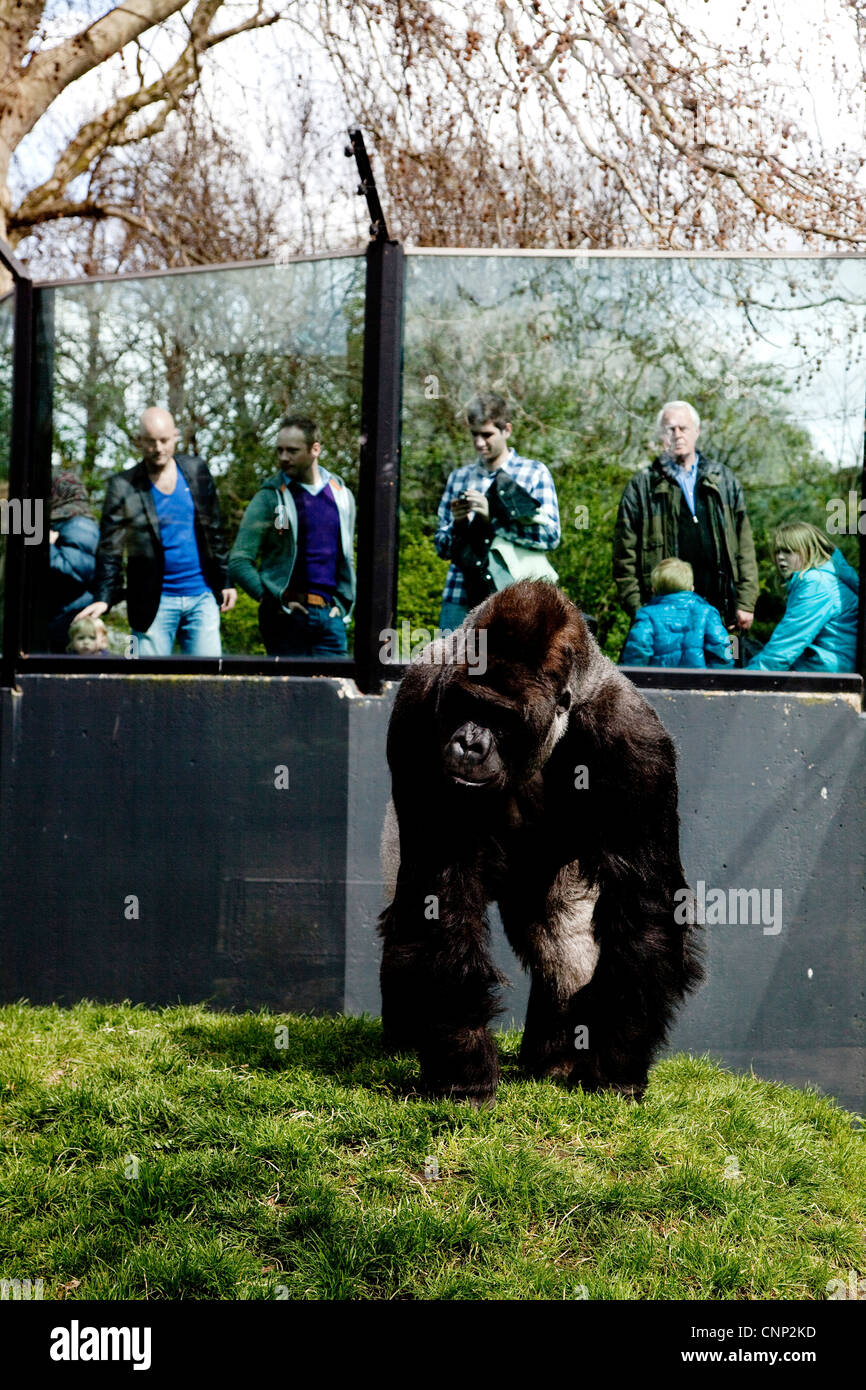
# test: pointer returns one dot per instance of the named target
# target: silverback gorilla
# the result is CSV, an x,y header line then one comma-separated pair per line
x,y
546,783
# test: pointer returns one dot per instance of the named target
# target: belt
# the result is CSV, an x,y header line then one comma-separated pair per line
x,y
308,600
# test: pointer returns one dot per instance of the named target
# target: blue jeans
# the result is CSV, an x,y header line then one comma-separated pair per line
x,y
195,622
301,634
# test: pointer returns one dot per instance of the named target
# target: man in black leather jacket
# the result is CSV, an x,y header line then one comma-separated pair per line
x,y
164,515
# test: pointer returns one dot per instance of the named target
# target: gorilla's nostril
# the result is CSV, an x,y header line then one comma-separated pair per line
x,y
473,743
470,747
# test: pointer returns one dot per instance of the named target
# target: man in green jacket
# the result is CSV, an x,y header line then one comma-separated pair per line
x,y
685,505
293,552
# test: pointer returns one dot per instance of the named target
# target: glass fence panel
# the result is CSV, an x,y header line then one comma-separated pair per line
x,y
7,321
587,350
228,354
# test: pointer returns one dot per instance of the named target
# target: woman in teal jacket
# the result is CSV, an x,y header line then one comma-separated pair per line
x,y
819,629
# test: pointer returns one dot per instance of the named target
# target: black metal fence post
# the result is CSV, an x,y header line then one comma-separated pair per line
x,y
37,565
379,474
21,435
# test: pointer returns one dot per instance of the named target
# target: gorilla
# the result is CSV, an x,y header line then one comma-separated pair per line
x,y
536,777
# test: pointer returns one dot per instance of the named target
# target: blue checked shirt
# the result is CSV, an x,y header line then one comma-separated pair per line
x,y
543,534
687,477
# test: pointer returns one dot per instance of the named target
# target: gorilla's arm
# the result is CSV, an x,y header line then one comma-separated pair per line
x,y
439,986
647,960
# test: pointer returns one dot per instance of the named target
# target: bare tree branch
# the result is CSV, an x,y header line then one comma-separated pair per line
x,y
112,127
559,123
49,71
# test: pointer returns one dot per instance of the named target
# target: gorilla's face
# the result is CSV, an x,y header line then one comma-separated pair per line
x,y
491,740
472,756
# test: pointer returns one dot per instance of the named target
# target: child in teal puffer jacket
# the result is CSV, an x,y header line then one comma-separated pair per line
x,y
819,629
677,627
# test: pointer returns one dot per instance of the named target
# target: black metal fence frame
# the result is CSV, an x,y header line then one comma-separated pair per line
x,y
378,507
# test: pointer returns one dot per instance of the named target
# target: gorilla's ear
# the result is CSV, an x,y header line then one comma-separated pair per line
x,y
564,701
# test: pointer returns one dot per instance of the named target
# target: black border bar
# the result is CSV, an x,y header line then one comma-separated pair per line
x,y
720,678
73,665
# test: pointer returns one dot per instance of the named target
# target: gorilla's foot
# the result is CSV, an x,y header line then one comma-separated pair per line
x,y
541,1057
551,1067
629,1090
462,1065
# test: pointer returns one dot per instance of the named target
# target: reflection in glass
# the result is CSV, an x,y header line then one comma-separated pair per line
x,y
587,349
228,353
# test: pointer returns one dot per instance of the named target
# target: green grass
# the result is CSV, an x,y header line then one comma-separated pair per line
x,y
182,1154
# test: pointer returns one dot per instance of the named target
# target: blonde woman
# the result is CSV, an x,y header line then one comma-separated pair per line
x,y
819,629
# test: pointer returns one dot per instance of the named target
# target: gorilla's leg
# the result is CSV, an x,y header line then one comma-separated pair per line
x,y
613,1045
545,1049
579,1041
439,986
552,933
646,964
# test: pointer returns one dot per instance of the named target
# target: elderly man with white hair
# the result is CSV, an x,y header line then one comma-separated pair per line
x,y
164,517
683,504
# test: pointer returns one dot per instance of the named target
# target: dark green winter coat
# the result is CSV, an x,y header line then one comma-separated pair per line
x,y
647,531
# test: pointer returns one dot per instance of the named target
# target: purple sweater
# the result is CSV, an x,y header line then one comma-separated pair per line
x,y
315,568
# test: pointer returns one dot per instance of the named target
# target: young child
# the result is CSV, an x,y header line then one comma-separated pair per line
x,y
819,629
677,627
88,637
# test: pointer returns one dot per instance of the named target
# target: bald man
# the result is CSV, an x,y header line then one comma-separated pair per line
x,y
164,515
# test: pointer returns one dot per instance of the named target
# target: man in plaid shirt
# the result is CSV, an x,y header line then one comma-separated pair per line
x,y
465,494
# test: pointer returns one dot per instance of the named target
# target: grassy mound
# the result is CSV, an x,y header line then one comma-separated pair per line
x,y
179,1153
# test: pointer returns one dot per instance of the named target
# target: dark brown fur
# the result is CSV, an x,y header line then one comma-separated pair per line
x,y
488,810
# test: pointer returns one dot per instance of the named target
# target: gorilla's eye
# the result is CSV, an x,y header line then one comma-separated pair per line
x,y
564,701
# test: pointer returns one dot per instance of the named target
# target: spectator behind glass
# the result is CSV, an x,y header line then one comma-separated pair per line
x,y
677,627
686,505
819,629
88,637
293,552
464,521
73,536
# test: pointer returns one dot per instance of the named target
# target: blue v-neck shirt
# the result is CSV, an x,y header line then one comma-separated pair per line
x,y
176,515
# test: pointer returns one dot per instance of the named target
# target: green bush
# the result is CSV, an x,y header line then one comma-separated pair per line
x,y
422,574
240,628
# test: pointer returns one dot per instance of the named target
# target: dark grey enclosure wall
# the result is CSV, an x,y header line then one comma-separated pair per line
x,y
773,796
215,839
